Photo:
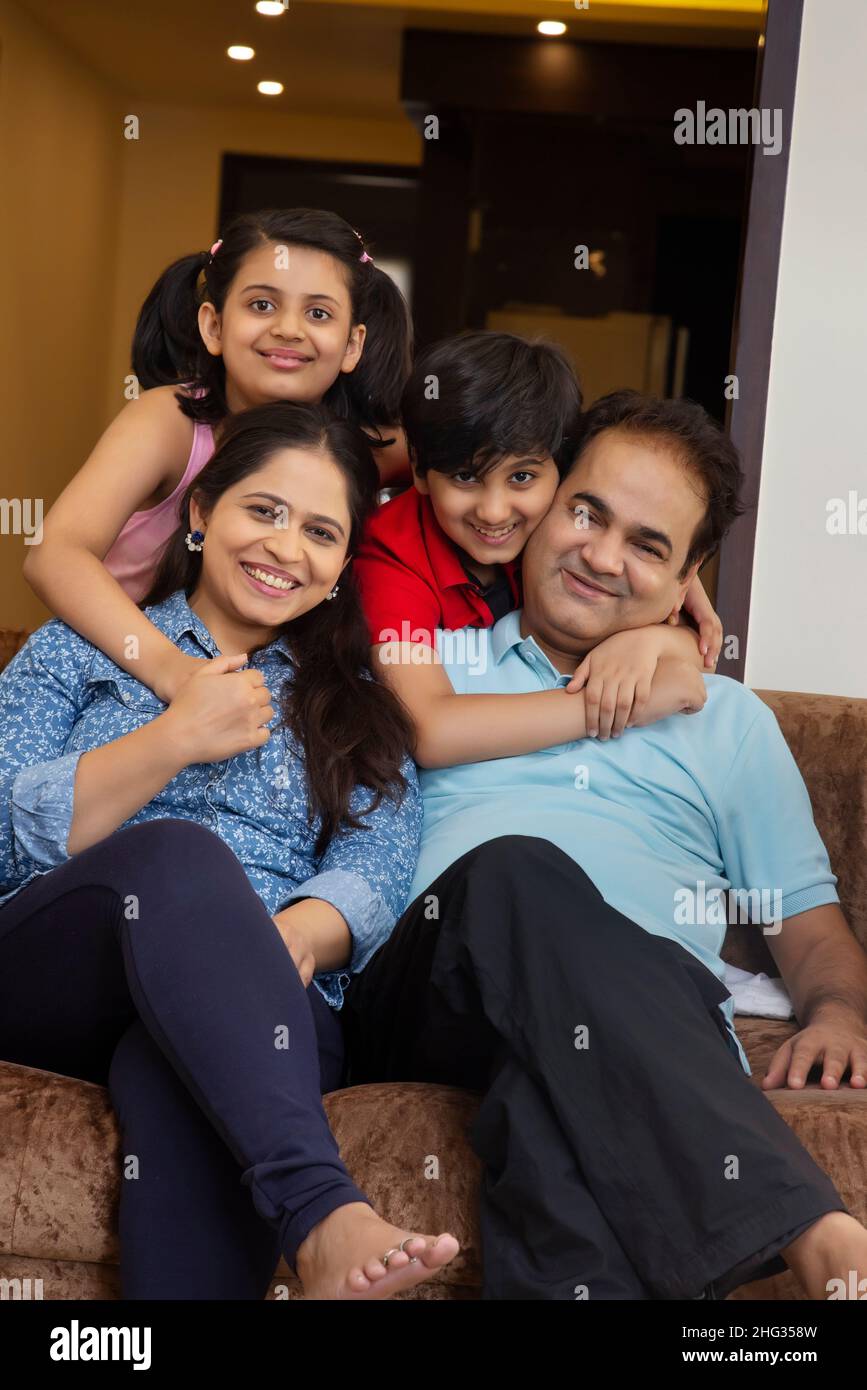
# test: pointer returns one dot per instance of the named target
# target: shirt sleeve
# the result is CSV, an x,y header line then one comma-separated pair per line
x,y
366,873
399,605
770,846
40,693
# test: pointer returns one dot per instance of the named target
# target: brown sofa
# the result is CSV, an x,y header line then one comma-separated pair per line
x,y
59,1154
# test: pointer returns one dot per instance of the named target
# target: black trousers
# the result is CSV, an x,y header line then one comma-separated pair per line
x,y
626,1153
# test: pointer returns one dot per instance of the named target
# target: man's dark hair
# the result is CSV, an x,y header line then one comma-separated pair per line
x,y
477,398
685,428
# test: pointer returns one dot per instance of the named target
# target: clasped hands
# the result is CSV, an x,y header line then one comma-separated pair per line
x,y
638,676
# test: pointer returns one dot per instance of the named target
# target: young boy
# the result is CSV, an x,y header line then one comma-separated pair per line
x,y
492,423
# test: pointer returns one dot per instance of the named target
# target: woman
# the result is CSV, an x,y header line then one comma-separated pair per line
x,y
187,889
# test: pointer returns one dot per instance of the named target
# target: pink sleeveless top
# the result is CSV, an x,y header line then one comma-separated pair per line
x,y
133,558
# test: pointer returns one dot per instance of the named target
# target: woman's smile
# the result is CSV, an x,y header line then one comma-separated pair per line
x,y
273,582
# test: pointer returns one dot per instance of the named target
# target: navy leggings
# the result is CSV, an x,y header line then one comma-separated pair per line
x,y
148,963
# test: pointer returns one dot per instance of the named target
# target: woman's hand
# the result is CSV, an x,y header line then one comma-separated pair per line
x,y
710,631
219,711
297,943
173,672
677,688
616,679
316,935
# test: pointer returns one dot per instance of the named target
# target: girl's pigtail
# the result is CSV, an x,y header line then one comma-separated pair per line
x,y
375,387
166,345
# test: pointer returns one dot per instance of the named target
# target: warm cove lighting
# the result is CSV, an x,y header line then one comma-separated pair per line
x,y
271,7
551,28
239,51
269,89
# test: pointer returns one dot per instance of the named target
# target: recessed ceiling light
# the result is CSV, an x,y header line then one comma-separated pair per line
x,y
271,7
241,52
551,28
269,89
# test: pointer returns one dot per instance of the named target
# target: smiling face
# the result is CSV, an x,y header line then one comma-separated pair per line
x,y
491,517
609,554
286,331
275,545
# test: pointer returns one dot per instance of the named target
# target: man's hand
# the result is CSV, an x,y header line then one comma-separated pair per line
x,y
836,1037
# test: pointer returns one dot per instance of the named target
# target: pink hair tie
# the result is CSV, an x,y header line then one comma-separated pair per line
x,y
364,256
215,248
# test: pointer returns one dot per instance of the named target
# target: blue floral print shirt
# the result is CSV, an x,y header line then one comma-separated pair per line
x,y
60,697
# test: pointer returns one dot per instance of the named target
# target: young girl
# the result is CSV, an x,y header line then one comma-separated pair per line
x,y
292,308
186,892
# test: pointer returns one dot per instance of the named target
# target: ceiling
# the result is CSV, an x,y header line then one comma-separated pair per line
x,y
339,56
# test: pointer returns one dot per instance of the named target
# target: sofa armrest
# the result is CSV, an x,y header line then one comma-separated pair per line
x,y
828,738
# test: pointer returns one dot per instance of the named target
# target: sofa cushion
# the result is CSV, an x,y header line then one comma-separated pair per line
x,y
406,1145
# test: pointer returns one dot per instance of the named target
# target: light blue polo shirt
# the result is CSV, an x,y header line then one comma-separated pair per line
x,y
664,820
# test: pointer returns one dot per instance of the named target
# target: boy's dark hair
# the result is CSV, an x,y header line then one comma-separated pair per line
x,y
684,427
167,348
477,398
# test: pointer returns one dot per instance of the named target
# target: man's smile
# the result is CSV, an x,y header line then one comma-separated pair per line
x,y
584,587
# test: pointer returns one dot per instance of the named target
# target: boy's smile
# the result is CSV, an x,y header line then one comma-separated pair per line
x,y
494,536
491,515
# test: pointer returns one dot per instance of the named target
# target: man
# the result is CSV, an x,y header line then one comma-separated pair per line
x,y
559,955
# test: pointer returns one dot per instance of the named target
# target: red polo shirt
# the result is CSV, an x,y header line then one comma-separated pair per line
x,y
411,577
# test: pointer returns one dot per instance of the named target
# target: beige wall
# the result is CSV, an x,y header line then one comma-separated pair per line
x,y
90,220
808,614
59,169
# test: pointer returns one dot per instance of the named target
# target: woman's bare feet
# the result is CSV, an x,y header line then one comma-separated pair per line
x,y
341,1258
830,1258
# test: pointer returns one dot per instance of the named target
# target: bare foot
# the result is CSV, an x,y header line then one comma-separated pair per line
x,y
342,1257
830,1258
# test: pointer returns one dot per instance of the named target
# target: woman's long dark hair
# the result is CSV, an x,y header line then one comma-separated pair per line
x,y
167,348
352,729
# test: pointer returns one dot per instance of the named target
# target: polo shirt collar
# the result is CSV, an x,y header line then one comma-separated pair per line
x,y
175,618
506,637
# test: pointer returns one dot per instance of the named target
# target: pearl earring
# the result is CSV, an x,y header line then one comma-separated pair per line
x,y
194,540
333,591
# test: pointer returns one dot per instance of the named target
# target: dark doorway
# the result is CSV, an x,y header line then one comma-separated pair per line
x,y
380,199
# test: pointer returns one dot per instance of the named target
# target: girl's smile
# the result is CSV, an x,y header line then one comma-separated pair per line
x,y
285,359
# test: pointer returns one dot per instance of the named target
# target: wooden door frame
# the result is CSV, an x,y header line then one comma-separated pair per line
x,y
752,337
